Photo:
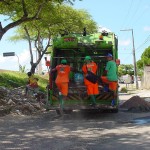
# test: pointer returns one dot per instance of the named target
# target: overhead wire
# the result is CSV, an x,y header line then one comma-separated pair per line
x,y
128,12
126,17
146,40
135,12
123,53
138,18
133,20
130,17
127,57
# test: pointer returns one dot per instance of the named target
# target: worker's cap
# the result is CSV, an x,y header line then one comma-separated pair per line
x,y
109,55
87,58
63,61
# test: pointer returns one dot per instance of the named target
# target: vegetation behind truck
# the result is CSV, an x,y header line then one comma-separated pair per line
x,y
74,48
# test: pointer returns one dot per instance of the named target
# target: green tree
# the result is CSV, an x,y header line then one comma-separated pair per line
x,y
20,11
61,19
124,69
145,59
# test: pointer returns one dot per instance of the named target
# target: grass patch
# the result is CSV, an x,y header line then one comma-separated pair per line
x,y
13,79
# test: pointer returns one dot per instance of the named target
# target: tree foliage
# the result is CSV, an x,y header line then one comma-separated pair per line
x,y
57,20
20,11
124,69
145,59
54,20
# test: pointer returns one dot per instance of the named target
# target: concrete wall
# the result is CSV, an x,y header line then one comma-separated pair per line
x,y
146,78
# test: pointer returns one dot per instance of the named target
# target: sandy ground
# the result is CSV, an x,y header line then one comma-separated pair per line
x,y
78,131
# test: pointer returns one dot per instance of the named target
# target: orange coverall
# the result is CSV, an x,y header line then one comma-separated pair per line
x,y
62,78
92,89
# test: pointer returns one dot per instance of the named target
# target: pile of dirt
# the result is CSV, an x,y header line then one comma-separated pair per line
x,y
136,104
14,101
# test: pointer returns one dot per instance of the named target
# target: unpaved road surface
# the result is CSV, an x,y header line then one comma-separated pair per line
x,y
78,131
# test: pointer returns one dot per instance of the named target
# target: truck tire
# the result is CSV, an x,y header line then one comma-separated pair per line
x,y
68,111
59,112
115,110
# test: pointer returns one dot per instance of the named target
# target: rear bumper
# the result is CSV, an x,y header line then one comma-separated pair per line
x,y
87,107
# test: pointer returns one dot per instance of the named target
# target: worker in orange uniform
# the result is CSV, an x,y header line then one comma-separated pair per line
x,y
111,77
62,79
92,88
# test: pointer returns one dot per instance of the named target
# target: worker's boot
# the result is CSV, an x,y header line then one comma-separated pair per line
x,y
113,103
93,100
61,103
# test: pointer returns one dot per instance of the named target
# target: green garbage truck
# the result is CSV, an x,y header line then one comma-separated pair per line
x,y
74,47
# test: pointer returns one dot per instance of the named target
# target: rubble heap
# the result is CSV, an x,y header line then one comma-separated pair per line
x,y
136,104
14,101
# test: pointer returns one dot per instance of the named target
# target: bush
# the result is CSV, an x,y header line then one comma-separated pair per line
x,y
124,90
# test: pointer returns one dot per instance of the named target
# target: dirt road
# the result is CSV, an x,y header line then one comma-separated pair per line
x,y
78,131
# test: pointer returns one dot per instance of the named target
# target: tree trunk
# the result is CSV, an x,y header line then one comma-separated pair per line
x,y
33,67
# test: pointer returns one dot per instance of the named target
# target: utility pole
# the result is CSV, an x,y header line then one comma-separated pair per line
x,y
134,58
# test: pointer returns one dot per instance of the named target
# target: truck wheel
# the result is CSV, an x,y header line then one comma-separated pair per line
x,y
68,111
115,110
59,112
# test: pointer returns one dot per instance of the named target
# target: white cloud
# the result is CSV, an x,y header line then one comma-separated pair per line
x,y
124,42
12,62
8,63
101,28
147,28
2,59
8,59
24,57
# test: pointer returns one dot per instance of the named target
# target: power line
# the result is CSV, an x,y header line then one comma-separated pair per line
x,y
136,10
123,53
127,57
131,18
128,12
138,18
146,40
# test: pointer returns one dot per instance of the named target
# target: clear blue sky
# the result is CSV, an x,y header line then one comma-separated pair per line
x,y
112,14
